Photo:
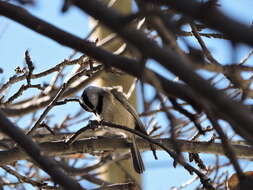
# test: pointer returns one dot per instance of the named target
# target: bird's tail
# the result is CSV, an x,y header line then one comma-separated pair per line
x,y
136,157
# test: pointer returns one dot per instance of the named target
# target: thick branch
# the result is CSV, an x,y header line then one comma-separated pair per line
x,y
129,65
210,15
32,149
110,144
235,113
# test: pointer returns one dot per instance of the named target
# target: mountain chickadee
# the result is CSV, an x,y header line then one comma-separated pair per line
x,y
111,105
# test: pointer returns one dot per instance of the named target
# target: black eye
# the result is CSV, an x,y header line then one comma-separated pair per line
x,y
86,104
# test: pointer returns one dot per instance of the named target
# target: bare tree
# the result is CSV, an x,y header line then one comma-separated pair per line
x,y
195,107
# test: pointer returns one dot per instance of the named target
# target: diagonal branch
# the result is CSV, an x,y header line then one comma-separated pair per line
x,y
209,14
32,149
129,65
235,113
238,116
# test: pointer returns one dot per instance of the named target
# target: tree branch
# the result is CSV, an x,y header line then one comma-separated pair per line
x,y
210,15
32,149
128,65
235,113
88,145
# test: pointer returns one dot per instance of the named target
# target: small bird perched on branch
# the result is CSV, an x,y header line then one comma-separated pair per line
x,y
110,104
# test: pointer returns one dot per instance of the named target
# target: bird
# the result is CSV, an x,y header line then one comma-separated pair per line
x,y
110,104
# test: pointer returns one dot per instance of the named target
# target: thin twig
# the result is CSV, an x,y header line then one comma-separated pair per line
x,y
226,145
204,179
120,186
29,63
203,46
246,57
208,35
20,92
22,178
55,99
15,79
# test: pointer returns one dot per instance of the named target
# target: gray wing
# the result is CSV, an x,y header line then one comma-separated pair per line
x,y
140,126
124,101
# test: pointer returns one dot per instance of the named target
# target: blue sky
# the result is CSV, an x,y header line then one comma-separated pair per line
x,y
15,39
